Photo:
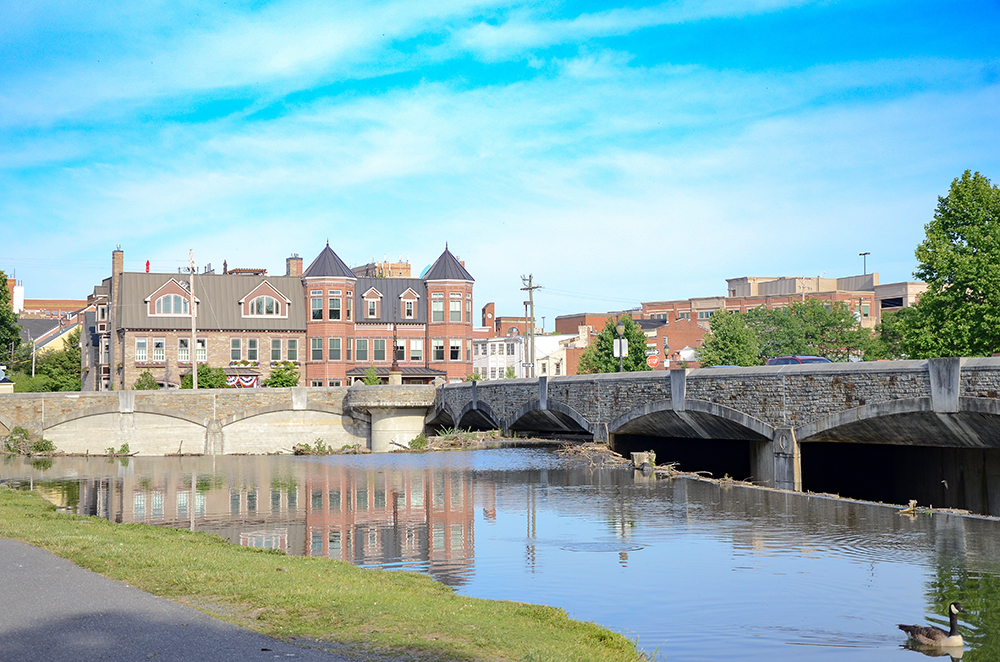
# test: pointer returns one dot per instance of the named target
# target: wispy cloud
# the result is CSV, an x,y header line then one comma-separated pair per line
x,y
405,125
529,28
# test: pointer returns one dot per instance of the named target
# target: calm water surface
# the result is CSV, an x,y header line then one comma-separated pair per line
x,y
692,570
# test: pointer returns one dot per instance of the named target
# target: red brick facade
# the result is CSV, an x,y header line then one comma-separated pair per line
x,y
330,323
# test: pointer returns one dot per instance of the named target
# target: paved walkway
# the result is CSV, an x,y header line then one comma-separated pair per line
x,y
53,611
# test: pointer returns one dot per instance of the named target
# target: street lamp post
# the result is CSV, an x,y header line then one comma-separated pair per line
x,y
864,261
620,328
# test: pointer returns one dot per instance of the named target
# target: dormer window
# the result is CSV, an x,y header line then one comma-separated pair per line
x,y
172,304
172,299
265,301
372,299
265,305
408,303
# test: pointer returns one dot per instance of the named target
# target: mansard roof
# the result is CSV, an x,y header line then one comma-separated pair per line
x,y
328,265
447,267
391,290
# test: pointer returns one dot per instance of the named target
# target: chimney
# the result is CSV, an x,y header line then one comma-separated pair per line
x,y
117,269
293,265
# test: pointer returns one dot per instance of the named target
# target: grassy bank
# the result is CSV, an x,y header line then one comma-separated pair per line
x,y
299,597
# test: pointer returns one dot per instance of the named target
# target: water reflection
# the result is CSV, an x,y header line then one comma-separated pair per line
x,y
695,570
418,518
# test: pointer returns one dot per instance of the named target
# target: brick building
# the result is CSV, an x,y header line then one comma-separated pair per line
x,y
422,325
326,321
675,329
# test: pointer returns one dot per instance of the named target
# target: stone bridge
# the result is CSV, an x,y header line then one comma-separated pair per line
x,y
217,421
939,404
947,402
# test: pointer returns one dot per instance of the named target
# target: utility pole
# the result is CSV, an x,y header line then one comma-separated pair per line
x,y
194,334
530,288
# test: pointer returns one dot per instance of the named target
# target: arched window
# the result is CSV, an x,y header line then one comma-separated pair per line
x,y
265,305
172,304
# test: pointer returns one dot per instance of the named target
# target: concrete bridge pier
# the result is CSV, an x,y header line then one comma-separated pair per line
x,y
393,428
396,414
778,463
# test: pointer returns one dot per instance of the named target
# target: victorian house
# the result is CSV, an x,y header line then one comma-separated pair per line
x,y
328,322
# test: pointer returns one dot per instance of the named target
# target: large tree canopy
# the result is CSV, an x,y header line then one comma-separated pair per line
x,y
599,356
959,314
811,327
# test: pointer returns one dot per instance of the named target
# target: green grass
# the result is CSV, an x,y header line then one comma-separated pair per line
x,y
292,598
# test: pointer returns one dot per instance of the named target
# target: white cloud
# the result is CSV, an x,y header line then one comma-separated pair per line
x,y
528,28
599,177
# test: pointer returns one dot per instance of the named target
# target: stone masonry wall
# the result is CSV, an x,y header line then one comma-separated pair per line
x,y
779,396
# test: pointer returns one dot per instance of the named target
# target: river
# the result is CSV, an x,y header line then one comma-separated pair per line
x,y
690,569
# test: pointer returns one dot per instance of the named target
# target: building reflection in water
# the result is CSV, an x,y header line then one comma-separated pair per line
x,y
421,519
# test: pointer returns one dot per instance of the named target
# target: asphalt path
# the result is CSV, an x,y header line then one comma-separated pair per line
x,y
53,611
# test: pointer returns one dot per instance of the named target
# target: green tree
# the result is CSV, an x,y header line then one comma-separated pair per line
x,y
959,314
811,327
207,378
283,375
55,370
599,356
10,339
730,342
146,382
886,342
371,376
509,373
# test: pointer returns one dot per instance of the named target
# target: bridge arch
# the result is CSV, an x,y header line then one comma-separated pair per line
x,y
114,409
911,422
698,419
556,417
280,407
480,416
441,417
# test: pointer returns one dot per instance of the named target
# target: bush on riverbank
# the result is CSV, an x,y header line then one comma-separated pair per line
x,y
21,442
374,612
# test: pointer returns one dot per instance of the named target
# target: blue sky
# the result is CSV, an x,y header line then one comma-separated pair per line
x,y
619,152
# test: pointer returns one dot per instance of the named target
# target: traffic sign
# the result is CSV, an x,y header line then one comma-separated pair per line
x,y
652,361
527,365
652,352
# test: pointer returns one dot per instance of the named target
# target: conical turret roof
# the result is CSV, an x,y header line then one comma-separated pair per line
x,y
328,265
447,267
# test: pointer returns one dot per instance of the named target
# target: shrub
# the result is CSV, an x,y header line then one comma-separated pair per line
x,y
419,442
207,378
283,375
21,442
146,382
371,376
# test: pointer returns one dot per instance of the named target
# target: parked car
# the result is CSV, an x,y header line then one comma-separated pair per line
x,y
795,360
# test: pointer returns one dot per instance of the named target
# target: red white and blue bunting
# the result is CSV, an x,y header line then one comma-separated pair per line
x,y
243,381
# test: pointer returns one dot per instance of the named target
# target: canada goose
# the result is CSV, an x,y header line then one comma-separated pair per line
x,y
929,635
